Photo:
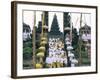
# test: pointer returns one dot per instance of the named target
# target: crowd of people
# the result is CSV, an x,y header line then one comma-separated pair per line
x,y
57,56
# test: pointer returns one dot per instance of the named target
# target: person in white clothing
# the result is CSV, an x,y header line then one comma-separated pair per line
x,y
49,62
54,60
65,61
61,62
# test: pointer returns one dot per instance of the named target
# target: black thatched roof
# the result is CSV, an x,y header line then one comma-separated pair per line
x,y
26,28
85,27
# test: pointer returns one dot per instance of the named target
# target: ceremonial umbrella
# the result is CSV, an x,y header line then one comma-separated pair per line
x,y
44,39
42,48
38,65
70,55
75,61
43,42
68,42
69,48
40,54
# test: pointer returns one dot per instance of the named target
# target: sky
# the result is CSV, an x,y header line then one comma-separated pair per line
x,y
28,18
86,19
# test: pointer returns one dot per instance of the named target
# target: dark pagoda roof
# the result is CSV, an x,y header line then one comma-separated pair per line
x,y
85,27
55,27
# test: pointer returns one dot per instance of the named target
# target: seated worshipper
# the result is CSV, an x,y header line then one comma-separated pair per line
x,y
51,44
51,52
62,55
59,44
58,58
60,47
50,40
62,52
54,59
57,52
49,62
65,61
61,62
55,47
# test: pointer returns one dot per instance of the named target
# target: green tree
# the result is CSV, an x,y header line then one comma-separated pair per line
x,y
75,38
27,44
27,53
66,18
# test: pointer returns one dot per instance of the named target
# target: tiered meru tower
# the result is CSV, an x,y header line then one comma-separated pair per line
x,y
67,25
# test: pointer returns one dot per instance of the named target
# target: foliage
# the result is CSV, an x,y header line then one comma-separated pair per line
x,y
66,19
27,53
86,61
27,49
28,43
75,38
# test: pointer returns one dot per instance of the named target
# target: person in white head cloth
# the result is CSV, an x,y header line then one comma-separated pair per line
x,y
51,51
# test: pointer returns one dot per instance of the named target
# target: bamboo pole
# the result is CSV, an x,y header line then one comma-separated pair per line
x,y
42,23
70,28
33,40
41,59
80,42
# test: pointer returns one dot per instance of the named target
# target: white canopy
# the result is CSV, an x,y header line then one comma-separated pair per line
x,y
86,37
74,61
68,42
